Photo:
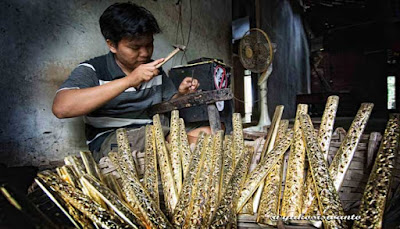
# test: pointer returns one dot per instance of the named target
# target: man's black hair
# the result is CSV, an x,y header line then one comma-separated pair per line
x,y
127,20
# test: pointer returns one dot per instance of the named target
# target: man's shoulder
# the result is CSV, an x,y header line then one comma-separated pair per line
x,y
98,59
99,65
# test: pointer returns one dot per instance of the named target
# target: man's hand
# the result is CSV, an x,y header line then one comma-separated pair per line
x,y
144,73
188,85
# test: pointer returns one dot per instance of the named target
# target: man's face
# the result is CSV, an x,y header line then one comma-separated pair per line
x,y
130,53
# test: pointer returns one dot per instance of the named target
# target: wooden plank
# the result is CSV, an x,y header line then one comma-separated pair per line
x,y
356,165
245,218
360,153
358,159
193,99
253,135
354,176
353,184
351,196
360,146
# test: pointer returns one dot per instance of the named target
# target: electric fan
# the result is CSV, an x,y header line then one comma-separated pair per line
x,y
256,53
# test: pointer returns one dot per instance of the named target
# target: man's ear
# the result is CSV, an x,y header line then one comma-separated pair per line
x,y
111,45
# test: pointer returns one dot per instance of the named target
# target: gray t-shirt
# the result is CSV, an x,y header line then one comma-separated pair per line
x,y
129,109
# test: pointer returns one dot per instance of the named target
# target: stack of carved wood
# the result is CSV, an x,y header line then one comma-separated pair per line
x,y
209,186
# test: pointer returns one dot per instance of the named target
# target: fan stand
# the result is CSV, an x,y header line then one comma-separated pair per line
x,y
264,120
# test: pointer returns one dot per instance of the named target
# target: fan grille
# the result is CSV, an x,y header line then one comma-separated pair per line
x,y
255,51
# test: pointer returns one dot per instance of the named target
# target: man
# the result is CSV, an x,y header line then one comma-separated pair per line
x,y
115,90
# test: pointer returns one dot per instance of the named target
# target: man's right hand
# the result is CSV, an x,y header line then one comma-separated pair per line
x,y
144,73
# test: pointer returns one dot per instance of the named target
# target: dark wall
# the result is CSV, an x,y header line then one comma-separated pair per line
x,y
357,42
290,75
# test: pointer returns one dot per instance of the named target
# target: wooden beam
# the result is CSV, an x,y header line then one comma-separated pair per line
x,y
191,100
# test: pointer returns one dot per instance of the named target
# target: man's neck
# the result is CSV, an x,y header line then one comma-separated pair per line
x,y
123,68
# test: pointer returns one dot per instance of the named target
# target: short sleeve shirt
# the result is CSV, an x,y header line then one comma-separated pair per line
x,y
127,109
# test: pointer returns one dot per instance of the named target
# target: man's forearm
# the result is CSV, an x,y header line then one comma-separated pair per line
x,y
76,102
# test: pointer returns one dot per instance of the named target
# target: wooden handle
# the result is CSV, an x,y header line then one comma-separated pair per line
x,y
173,53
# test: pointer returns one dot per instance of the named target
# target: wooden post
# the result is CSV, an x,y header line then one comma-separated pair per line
x,y
374,139
213,118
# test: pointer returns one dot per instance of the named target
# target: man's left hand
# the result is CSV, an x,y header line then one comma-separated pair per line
x,y
188,85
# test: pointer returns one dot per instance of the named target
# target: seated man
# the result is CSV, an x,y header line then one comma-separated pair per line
x,y
115,90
